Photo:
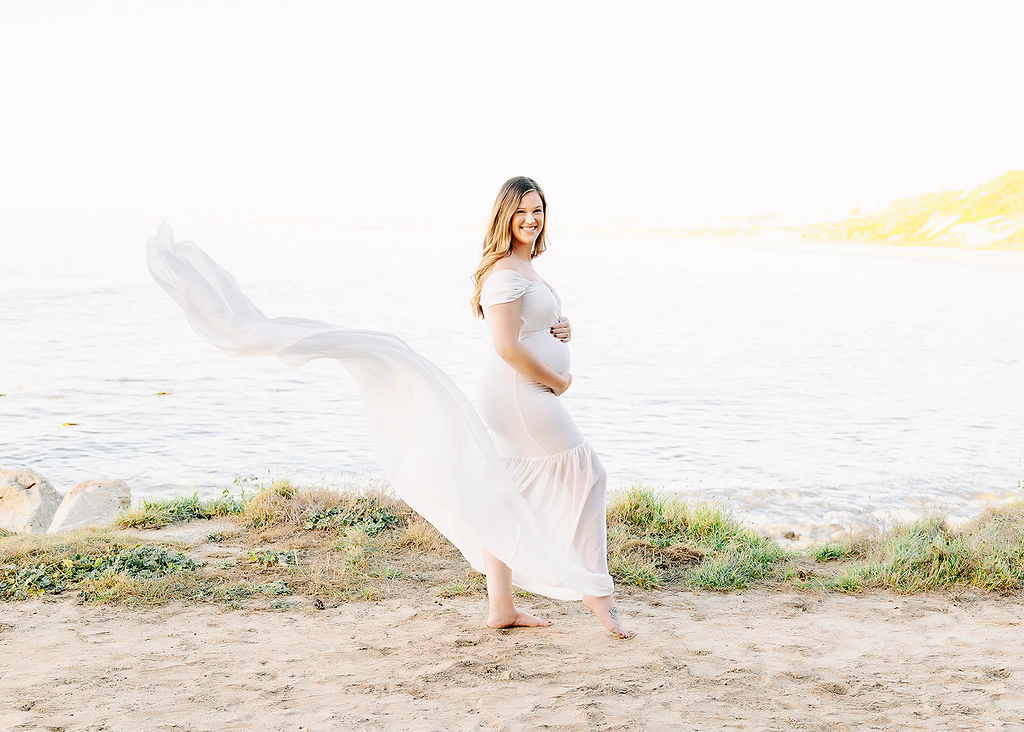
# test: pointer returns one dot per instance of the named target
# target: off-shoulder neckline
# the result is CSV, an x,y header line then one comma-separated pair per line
x,y
520,275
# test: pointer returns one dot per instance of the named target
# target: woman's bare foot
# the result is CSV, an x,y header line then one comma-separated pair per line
x,y
605,610
514,619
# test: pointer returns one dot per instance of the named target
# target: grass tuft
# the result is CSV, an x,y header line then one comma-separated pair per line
x,y
853,547
471,583
367,513
31,566
164,511
657,539
925,555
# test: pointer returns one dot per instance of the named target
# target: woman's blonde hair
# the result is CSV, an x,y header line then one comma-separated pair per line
x,y
498,241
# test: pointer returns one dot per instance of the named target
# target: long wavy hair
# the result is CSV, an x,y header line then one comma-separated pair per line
x,y
498,241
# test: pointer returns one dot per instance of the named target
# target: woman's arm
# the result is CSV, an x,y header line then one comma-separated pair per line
x,y
504,319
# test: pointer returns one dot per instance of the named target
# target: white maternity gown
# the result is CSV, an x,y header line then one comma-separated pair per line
x,y
551,465
538,506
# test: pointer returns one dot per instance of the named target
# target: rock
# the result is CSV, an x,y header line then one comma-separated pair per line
x,y
91,503
27,501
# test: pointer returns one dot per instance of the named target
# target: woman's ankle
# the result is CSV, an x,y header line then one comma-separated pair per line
x,y
500,606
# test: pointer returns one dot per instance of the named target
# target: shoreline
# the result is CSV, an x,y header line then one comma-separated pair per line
x,y
289,545
808,530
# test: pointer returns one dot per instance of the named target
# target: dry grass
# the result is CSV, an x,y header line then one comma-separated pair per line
x,y
285,546
420,535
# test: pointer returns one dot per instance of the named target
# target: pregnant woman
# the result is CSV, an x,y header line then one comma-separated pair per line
x,y
550,463
533,514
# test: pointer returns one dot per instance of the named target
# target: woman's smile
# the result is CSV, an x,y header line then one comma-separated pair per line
x,y
528,220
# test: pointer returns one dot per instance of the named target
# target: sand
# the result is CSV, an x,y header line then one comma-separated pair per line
x,y
742,660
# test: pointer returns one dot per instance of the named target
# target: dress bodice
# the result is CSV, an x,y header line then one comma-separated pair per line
x,y
541,305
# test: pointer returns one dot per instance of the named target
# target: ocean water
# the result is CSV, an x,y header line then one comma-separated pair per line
x,y
805,385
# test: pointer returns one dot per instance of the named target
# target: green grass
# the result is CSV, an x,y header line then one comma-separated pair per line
x,y
271,557
336,547
470,583
657,540
164,511
985,554
833,551
31,566
925,555
367,513
849,582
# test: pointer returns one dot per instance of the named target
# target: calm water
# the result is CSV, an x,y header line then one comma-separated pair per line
x,y
806,386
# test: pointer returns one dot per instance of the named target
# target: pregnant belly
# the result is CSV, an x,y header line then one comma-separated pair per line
x,y
548,349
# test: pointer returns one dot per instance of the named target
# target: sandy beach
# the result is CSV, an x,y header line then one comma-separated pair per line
x,y
744,660
314,314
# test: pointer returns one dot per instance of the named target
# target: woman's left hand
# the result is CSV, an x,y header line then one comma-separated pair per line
x,y
562,330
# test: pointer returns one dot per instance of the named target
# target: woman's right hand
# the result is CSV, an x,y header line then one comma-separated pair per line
x,y
567,377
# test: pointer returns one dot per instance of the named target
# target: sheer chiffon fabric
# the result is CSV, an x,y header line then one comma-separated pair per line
x,y
430,442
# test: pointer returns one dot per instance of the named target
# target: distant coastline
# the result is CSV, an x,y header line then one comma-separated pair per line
x,y
988,217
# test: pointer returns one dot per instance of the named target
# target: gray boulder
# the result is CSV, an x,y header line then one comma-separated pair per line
x,y
91,503
27,501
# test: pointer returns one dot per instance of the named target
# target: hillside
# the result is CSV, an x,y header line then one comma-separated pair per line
x,y
989,216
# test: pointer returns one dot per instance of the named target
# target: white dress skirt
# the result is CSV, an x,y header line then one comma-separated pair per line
x,y
538,505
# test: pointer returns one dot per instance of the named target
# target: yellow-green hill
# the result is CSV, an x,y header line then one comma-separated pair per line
x,y
990,216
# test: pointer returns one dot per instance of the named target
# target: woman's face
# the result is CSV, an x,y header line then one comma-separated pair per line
x,y
528,219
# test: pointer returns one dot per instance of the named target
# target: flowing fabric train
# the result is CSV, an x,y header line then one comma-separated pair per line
x,y
430,442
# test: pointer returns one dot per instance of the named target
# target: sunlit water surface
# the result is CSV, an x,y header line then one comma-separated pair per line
x,y
805,385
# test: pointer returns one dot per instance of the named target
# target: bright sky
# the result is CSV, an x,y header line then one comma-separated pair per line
x,y
674,111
